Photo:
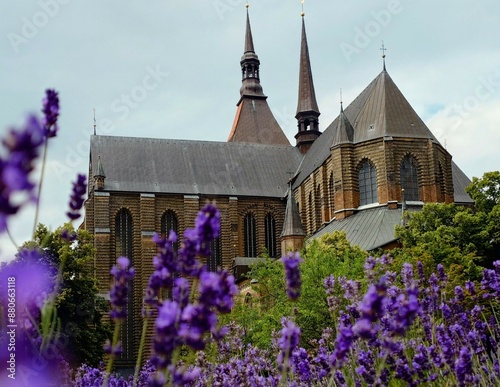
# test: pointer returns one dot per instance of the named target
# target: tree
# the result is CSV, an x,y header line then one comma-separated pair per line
x,y
485,191
79,307
329,254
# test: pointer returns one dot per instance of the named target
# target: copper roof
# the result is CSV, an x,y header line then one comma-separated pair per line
x,y
307,96
255,123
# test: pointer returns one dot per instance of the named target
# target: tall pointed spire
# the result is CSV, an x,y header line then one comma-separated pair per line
x,y
250,65
307,107
254,121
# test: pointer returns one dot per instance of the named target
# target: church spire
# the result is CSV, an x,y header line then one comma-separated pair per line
x,y
254,121
307,107
250,65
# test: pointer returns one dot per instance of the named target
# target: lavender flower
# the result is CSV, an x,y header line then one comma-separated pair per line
x,y
291,263
120,289
22,148
51,112
289,339
463,367
77,197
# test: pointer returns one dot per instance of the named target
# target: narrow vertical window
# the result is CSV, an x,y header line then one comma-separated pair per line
x,y
124,247
270,231
317,207
409,178
169,223
311,213
250,238
331,194
214,262
440,183
367,183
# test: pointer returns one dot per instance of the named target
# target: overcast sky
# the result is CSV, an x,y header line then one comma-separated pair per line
x,y
170,69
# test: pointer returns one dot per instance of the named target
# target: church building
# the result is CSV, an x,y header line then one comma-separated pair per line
x,y
375,159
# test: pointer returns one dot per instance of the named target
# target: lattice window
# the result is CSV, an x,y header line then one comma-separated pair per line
x,y
250,237
311,214
367,183
270,232
441,184
124,247
409,178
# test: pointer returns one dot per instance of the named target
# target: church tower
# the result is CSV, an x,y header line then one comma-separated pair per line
x,y
307,107
254,121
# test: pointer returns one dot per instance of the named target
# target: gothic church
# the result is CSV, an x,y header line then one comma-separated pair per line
x,y
374,158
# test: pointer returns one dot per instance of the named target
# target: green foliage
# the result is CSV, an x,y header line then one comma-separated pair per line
x,y
485,191
260,316
78,305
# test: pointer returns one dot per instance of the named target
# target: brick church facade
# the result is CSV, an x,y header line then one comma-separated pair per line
x,y
374,158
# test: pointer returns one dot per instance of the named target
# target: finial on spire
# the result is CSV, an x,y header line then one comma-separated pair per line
x,y
341,102
95,125
302,13
383,49
247,5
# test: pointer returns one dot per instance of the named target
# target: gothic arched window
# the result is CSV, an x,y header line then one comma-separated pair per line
x,y
409,178
250,237
270,232
367,183
169,223
124,247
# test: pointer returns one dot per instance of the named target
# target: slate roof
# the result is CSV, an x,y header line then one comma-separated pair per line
x,y
460,182
379,111
150,165
368,229
255,123
292,224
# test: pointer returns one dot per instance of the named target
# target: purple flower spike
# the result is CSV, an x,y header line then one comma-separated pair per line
x,y
77,197
289,339
51,112
291,262
22,148
119,291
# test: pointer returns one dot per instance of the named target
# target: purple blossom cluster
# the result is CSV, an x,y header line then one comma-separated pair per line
x,y
291,262
77,197
179,321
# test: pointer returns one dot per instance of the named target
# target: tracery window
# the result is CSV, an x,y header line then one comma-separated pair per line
x,y
250,235
270,233
367,183
409,178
